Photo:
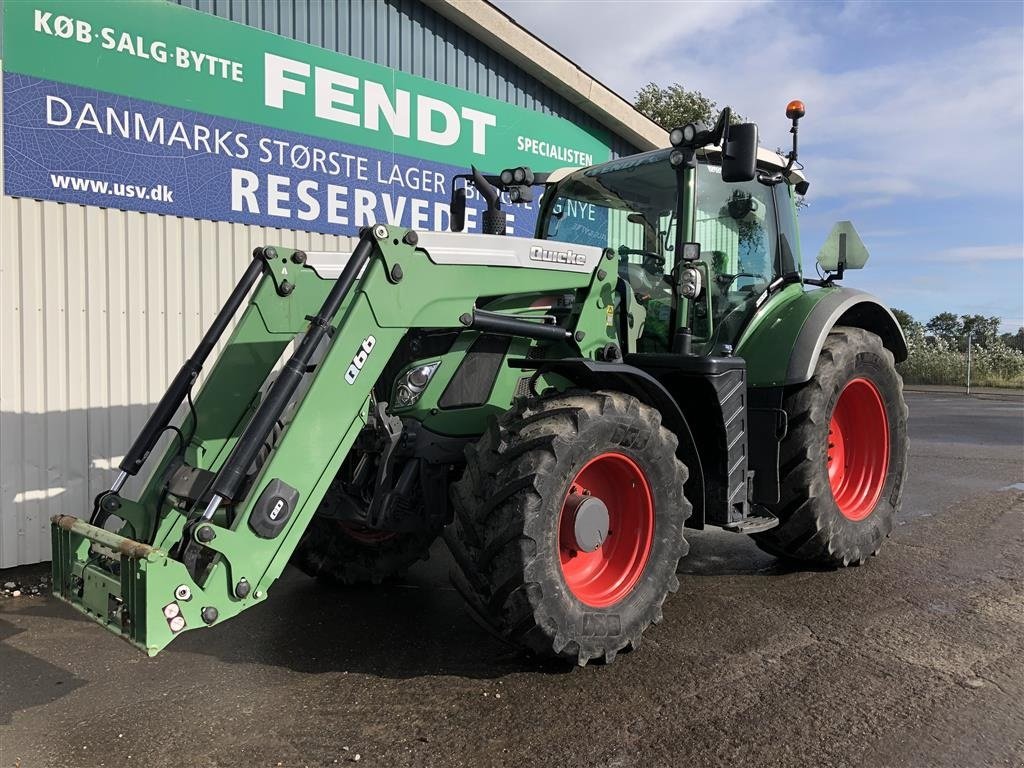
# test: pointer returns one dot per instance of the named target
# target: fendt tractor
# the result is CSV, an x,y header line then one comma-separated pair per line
x,y
558,409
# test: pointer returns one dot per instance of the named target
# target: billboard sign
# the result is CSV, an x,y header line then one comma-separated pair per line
x,y
145,105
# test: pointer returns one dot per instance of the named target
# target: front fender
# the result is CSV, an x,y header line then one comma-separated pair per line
x,y
782,343
595,375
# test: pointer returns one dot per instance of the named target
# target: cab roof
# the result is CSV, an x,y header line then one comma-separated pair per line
x,y
765,159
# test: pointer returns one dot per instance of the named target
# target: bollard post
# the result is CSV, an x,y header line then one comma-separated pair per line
x,y
970,336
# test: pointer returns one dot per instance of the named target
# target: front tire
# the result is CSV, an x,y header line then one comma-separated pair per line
x,y
569,524
844,458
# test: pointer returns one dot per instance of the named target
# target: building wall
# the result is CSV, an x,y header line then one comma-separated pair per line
x,y
99,307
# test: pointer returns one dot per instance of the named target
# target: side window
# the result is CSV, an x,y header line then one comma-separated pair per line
x,y
736,228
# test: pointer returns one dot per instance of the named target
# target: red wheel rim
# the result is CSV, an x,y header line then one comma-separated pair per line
x,y
606,575
365,535
858,449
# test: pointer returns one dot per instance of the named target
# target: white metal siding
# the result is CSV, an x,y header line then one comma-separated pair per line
x,y
98,309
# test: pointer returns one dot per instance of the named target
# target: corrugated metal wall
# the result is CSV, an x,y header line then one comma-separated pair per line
x,y
99,307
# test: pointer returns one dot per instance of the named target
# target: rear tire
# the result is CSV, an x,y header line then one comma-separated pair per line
x,y
844,459
534,562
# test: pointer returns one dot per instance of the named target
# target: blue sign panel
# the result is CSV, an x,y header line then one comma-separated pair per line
x,y
115,151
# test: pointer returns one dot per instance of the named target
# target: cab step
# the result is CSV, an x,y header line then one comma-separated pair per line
x,y
755,523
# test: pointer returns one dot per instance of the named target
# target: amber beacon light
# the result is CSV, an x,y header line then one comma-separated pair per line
x,y
795,109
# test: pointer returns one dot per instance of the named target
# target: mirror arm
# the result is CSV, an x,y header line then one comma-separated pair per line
x,y
831,277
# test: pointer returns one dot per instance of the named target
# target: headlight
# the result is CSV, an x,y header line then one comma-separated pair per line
x,y
410,385
689,283
684,134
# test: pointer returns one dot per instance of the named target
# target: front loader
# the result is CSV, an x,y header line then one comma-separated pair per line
x,y
559,409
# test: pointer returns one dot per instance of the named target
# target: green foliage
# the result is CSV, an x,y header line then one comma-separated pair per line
x,y
1013,340
912,329
953,330
673,106
941,358
945,327
984,330
937,363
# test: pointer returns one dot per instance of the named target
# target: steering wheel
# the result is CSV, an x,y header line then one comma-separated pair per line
x,y
726,280
653,262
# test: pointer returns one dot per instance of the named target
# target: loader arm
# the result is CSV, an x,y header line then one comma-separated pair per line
x,y
214,525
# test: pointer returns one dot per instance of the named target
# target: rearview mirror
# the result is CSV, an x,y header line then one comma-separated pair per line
x,y
739,153
457,209
843,249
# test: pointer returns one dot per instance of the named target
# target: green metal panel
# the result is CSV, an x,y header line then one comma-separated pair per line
x,y
767,343
408,36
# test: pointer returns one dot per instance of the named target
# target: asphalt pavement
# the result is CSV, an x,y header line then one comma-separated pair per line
x,y
915,659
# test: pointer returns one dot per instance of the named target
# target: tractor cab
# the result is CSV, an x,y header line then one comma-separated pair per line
x,y
741,237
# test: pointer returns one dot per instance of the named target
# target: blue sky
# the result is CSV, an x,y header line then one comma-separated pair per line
x,y
914,126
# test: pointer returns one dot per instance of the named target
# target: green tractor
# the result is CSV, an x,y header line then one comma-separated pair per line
x,y
559,409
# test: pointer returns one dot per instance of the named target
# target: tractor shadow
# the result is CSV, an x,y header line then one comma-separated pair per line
x,y
29,680
718,553
416,627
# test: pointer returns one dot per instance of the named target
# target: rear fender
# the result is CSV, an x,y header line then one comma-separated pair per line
x,y
782,343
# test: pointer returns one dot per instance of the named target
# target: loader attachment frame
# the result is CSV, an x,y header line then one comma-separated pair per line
x,y
220,515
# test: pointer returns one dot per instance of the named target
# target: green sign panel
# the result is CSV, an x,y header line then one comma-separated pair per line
x,y
149,106
151,49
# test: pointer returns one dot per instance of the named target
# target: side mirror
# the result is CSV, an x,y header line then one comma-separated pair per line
x,y
457,209
739,153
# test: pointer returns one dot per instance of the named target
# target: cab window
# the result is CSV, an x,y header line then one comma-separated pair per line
x,y
737,229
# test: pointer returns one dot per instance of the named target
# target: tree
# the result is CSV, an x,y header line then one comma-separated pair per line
x,y
904,318
947,327
912,329
673,106
1014,340
984,330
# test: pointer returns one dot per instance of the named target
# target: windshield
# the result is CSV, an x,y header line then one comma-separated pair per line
x,y
629,205
628,202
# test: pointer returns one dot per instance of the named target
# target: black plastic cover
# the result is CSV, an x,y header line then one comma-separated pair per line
x,y
473,380
273,509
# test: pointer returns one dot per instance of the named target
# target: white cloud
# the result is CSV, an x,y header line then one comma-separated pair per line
x,y
620,42
940,124
985,254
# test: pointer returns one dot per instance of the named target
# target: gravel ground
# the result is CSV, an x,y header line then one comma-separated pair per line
x,y
916,659
30,581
